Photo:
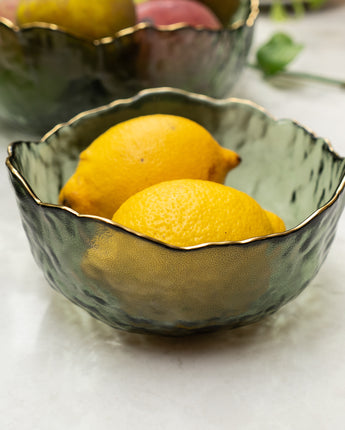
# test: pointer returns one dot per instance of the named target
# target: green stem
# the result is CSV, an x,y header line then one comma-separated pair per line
x,y
306,76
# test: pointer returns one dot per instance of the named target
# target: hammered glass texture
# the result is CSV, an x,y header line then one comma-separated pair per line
x,y
136,284
47,76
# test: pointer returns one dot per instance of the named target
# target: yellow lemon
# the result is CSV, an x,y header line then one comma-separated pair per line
x,y
138,153
276,222
89,19
189,212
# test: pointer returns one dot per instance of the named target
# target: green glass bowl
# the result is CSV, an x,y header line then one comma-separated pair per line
x,y
48,75
135,283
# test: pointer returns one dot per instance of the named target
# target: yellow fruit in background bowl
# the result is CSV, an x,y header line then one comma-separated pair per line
x,y
190,212
141,152
88,19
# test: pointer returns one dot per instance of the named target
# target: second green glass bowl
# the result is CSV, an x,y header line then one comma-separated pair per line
x,y
48,75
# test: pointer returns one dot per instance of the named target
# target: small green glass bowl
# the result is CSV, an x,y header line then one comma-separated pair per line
x,y
138,284
48,75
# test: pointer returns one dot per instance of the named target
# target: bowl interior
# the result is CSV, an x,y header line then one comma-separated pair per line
x,y
284,166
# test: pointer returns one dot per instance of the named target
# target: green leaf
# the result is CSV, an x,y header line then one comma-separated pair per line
x,y
277,53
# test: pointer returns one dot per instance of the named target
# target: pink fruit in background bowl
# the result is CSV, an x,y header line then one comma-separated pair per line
x,y
167,12
8,9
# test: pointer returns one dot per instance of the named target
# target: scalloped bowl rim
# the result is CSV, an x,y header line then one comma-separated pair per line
x,y
194,96
249,22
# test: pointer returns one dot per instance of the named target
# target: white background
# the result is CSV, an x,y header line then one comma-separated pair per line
x,y
61,369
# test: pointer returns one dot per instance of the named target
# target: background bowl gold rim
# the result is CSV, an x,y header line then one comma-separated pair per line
x,y
249,22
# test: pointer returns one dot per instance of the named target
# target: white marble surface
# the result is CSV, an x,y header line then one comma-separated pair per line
x,y
60,369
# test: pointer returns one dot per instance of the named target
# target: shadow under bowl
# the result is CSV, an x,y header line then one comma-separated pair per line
x,y
135,283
